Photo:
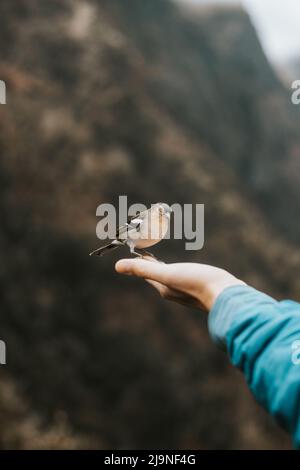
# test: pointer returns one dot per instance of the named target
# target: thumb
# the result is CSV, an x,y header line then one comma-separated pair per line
x,y
146,269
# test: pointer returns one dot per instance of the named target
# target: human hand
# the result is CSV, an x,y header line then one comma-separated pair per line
x,y
191,284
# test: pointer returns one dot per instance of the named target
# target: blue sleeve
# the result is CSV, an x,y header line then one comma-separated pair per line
x,y
262,337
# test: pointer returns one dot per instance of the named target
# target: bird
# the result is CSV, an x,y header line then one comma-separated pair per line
x,y
146,229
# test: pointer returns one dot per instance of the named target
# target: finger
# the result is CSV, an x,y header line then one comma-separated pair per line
x,y
154,271
174,295
157,285
164,291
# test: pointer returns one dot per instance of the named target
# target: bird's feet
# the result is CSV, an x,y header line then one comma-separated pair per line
x,y
147,253
138,255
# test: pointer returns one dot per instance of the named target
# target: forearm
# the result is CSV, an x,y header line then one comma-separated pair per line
x,y
258,335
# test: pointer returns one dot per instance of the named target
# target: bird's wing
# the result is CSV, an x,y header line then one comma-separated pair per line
x,y
133,223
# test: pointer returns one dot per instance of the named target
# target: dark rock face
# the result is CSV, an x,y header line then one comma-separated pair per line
x,y
144,99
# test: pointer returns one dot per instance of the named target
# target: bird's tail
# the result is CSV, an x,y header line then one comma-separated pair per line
x,y
106,248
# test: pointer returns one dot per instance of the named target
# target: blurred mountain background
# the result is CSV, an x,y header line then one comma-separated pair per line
x,y
160,101
293,68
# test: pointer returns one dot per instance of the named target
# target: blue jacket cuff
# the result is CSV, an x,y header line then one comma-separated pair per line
x,y
221,315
